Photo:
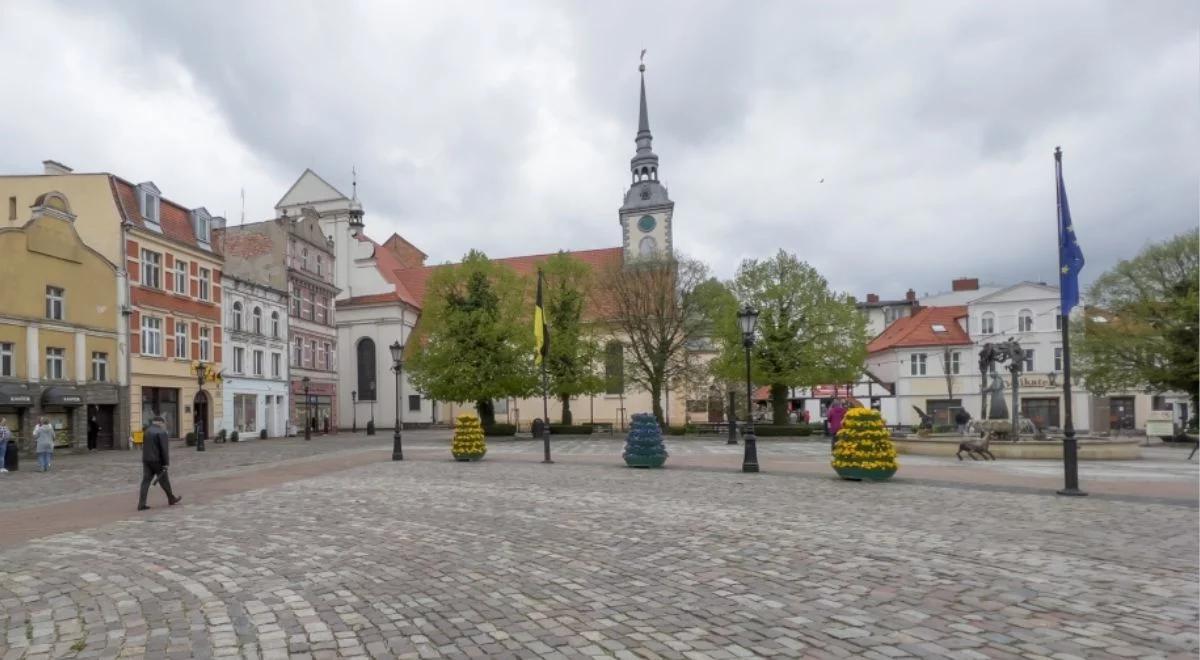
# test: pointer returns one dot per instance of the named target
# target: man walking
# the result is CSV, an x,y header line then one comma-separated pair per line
x,y
155,459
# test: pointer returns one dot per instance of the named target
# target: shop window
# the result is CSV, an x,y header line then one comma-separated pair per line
x,y
54,303
245,413
100,367
152,339
6,360
55,358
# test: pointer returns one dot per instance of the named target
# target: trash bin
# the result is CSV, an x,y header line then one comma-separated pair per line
x,y
12,461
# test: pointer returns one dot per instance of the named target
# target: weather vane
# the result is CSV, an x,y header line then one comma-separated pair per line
x,y
642,61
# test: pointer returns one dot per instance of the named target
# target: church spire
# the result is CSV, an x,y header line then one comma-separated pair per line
x,y
644,164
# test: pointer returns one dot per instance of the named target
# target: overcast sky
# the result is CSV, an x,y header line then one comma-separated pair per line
x,y
509,126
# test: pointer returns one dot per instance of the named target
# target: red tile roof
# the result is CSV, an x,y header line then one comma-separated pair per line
x,y
414,280
174,219
917,330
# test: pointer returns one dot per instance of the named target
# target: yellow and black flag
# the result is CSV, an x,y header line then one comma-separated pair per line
x,y
541,334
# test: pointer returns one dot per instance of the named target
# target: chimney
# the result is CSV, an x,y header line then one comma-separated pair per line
x,y
910,295
872,297
55,167
965,284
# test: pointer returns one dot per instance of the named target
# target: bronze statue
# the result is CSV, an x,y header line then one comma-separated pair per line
x,y
977,447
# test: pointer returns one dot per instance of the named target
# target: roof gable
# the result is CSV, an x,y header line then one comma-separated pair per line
x,y
308,189
1019,292
929,326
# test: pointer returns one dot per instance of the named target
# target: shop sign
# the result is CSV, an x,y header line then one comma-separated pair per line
x,y
1035,381
15,399
1160,423
72,398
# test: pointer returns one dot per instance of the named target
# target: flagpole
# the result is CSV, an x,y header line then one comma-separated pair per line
x,y
543,339
1070,447
545,416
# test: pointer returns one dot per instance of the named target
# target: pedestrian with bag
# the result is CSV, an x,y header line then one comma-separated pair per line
x,y
43,436
5,437
155,459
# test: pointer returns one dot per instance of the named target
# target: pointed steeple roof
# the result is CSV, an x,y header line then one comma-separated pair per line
x,y
643,114
645,190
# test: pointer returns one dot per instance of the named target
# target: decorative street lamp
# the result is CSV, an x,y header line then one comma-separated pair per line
x,y
371,424
398,367
354,410
748,321
307,410
1053,376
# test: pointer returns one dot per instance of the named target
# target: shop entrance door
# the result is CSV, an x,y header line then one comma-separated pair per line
x,y
105,417
200,414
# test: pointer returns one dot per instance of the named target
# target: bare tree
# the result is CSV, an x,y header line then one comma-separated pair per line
x,y
655,306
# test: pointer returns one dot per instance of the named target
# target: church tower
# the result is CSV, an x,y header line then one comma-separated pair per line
x,y
646,214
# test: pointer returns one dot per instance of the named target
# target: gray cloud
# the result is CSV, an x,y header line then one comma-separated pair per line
x,y
509,127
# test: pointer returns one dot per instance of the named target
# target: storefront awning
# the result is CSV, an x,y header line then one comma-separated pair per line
x,y
62,396
15,395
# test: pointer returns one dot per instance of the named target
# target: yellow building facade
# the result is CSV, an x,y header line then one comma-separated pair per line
x,y
60,331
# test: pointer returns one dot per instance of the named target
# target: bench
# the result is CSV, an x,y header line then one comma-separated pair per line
x,y
602,427
711,428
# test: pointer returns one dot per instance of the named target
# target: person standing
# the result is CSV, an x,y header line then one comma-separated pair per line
x,y
155,459
962,418
43,436
836,412
5,437
93,432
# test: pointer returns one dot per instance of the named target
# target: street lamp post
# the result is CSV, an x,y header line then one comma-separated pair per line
x,y
398,367
732,417
374,395
748,321
307,410
354,410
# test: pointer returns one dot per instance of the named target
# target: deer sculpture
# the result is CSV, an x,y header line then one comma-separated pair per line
x,y
978,446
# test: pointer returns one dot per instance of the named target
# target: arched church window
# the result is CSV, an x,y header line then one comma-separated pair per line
x,y
647,247
366,369
614,368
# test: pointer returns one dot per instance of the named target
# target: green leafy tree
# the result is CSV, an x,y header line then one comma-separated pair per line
x,y
1140,329
473,340
807,335
654,306
574,349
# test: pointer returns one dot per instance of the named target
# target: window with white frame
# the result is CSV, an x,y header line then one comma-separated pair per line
x,y
6,360
181,339
149,205
276,365
308,305
152,339
257,316
205,283
1058,322
99,367
987,324
917,364
319,264
1028,366
258,363
954,362
239,359
55,359
275,324
1058,359
237,315
295,301
181,278
328,356
312,354
151,269
304,258
298,359
1025,321
205,344
54,303
320,300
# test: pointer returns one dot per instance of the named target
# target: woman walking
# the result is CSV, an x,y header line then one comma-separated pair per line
x,y
836,412
43,435
5,436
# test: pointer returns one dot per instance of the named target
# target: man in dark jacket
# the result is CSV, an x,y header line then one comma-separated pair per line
x,y
155,459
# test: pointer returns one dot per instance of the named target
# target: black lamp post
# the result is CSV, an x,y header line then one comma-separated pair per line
x,y
307,410
398,367
354,410
371,424
197,423
748,321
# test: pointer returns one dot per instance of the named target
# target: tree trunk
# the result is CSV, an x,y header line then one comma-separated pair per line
x,y
487,413
566,409
656,397
779,404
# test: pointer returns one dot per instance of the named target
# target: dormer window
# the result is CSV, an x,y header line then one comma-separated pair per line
x,y
148,203
201,224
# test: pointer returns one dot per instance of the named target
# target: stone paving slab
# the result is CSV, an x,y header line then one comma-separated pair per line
x,y
427,559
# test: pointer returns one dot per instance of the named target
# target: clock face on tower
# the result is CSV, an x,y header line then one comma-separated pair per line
x,y
646,223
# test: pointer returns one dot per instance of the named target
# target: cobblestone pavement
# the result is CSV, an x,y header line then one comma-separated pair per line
x,y
426,559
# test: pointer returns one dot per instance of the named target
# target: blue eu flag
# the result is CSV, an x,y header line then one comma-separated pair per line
x,y
1070,257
